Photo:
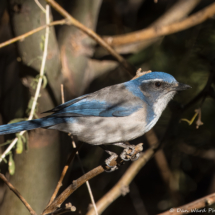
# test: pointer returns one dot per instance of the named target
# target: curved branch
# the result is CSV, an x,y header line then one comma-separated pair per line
x,y
17,193
66,167
23,36
185,209
154,32
176,13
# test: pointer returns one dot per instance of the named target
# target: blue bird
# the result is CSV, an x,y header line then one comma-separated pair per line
x,y
112,115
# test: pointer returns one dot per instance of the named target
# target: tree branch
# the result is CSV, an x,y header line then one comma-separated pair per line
x,y
17,193
154,32
122,185
86,177
40,6
23,36
177,12
59,184
185,209
163,166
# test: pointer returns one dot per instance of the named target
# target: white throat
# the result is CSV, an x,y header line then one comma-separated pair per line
x,y
162,102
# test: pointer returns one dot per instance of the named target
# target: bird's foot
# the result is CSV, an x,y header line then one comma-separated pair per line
x,y
128,152
135,157
109,160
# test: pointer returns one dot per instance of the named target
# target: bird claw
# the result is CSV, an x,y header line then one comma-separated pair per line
x,y
108,161
135,157
126,153
113,168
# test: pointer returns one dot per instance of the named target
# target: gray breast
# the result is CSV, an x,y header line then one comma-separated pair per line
x,y
106,130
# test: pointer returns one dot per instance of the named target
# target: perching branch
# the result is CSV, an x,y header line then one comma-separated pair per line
x,y
86,177
92,34
17,193
186,209
154,32
122,185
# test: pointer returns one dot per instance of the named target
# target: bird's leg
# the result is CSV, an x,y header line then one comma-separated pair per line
x,y
113,156
125,154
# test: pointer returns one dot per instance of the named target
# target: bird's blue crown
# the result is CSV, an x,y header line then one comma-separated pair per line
x,y
157,75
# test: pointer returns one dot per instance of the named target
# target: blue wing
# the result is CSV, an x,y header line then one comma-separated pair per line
x,y
103,103
89,107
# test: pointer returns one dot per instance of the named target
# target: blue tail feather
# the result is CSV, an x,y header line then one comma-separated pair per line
x,y
29,125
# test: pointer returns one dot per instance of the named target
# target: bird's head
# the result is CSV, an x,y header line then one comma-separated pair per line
x,y
159,88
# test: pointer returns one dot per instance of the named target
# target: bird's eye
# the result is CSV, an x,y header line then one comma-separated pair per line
x,y
158,84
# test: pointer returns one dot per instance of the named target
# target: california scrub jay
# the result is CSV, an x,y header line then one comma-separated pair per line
x,y
112,115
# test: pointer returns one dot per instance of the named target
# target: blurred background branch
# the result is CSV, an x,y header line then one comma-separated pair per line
x,y
16,192
177,12
156,31
195,205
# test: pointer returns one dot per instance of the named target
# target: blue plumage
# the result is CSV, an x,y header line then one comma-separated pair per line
x,y
156,75
32,124
113,114
91,107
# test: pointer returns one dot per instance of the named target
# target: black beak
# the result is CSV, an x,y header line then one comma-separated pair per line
x,y
182,86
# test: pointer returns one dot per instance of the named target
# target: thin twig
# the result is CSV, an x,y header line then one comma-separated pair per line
x,y
42,69
64,210
154,32
87,183
12,144
59,184
86,177
36,96
40,6
185,209
17,193
23,36
62,94
163,166
92,34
